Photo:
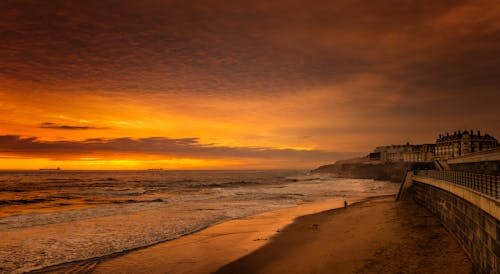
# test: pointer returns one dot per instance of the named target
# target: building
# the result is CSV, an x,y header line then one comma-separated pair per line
x,y
462,143
420,153
446,147
392,153
404,153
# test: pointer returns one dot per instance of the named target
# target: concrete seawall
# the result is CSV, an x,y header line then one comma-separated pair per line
x,y
485,162
471,217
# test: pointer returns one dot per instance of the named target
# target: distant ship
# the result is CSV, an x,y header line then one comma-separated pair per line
x,y
58,168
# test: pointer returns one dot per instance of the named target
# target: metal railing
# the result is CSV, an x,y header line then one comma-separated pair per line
x,y
486,184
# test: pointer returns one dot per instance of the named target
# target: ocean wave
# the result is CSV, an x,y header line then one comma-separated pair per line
x,y
64,179
227,184
24,201
122,215
130,201
186,181
12,190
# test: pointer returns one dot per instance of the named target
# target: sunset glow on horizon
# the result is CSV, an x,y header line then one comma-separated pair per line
x,y
237,85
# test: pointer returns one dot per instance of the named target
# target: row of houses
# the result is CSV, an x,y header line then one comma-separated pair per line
x,y
463,143
446,147
404,153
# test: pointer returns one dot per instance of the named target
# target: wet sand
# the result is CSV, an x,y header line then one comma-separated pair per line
x,y
378,236
209,249
204,251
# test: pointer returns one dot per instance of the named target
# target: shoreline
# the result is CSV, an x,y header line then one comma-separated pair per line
x,y
212,232
320,237
374,236
37,241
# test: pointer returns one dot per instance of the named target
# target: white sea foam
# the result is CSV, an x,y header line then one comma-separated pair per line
x,y
155,208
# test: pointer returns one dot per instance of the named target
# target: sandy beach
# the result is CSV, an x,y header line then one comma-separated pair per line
x,y
377,235
136,210
204,251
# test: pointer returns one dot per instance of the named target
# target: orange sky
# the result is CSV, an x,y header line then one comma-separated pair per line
x,y
239,85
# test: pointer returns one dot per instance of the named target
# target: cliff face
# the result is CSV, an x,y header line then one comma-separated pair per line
x,y
360,169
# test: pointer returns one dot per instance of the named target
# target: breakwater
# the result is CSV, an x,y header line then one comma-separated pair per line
x,y
385,171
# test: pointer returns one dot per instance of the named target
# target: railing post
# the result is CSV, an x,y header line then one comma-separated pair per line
x,y
489,184
483,185
492,189
496,187
474,182
478,182
483,181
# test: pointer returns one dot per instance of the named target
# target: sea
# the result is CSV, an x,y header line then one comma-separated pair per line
x,y
52,217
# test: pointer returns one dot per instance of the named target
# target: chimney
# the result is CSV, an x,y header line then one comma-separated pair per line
x,y
479,133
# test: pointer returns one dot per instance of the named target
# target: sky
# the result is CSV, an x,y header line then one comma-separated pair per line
x,y
219,84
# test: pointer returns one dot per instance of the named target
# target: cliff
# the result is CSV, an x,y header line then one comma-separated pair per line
x,y
362,168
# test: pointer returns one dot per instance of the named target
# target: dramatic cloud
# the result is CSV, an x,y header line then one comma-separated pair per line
x,y
215,46
154,146
66,127
347,74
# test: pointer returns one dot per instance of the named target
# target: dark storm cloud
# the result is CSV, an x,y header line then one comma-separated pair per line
x,y
250,45
172,45
159,146
50,125
438,58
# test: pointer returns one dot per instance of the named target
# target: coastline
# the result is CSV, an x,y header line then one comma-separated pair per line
x,y
375,236
321,237
204,250
35,241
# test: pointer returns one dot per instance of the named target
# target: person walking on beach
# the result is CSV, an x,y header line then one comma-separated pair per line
x,y
345,203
